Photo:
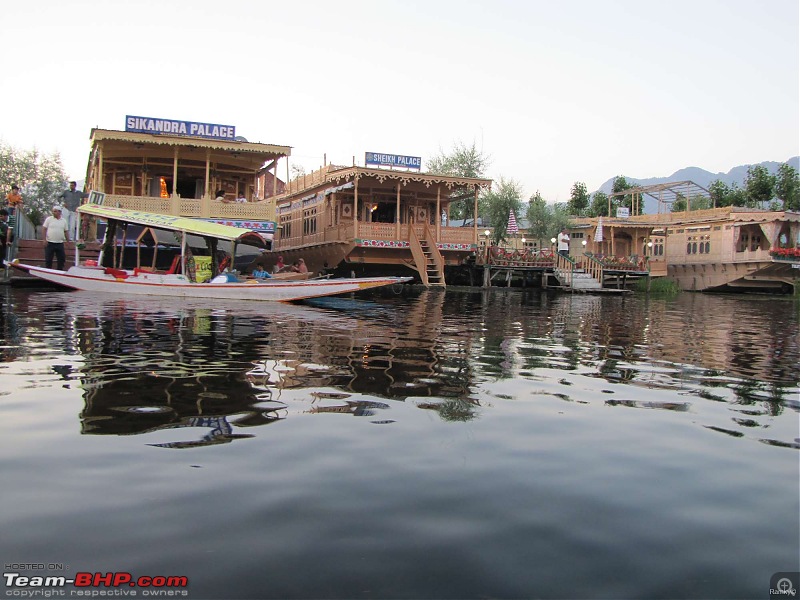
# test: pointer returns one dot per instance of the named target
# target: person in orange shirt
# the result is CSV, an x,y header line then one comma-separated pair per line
x,y
14,199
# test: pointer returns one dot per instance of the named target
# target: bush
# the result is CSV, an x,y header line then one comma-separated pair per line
x,y
658,285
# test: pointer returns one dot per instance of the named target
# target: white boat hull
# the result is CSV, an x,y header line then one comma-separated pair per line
x,y
125,283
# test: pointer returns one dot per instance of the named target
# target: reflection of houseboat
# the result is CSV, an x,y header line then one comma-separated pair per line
x,y
728,248
358,218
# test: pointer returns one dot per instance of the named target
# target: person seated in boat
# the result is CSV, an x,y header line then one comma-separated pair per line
x,y
241,199
299,266
279,265
259,272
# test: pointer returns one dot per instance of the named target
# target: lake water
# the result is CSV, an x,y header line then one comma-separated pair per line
x,y
468,444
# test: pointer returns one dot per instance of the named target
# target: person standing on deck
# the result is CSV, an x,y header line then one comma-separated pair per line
x,y
563,243
71,200
56,233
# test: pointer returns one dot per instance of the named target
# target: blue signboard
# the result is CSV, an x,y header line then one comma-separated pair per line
x,y
393,160
173,127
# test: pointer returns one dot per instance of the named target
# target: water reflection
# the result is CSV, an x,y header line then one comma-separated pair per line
x,y
145,365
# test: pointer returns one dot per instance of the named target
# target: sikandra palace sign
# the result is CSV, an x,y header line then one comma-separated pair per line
x,y
173,127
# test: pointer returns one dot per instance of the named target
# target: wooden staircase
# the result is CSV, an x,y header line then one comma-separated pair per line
x,y
574,278
428,260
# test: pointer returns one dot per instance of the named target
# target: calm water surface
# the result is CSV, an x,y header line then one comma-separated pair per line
x,y
415,445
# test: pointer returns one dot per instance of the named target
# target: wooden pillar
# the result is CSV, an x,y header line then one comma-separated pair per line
x,y
475,219
438,213
175,174
355,205
101,184
275,177
208,173
397,214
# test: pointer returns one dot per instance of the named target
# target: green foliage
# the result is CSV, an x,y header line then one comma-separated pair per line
x,y
41,178
560,218
540,217
787,187
696,203
759,185
599,206
506,196
659,286
578,199
462,161
620,185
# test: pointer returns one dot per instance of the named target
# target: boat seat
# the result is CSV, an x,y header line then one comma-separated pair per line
x,y
118,273
140,270
174,266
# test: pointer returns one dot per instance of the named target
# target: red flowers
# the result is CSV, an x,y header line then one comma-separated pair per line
x,y
785,252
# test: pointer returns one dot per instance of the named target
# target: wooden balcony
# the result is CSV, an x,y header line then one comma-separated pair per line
x,y
204,208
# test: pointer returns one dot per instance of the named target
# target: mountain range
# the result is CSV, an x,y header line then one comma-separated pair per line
x,y
699,176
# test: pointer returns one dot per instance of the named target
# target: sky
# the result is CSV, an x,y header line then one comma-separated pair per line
x,y
553,93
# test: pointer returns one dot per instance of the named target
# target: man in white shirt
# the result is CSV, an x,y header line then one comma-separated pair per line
x,y
56,232
241,199
563,243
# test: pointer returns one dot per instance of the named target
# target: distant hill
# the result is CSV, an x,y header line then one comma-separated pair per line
x,y
700,177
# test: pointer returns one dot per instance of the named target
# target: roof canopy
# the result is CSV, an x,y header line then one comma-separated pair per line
x,y
668,192
179,224
125,144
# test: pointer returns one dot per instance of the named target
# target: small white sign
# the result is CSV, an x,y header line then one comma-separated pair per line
x,y
623,212
796,266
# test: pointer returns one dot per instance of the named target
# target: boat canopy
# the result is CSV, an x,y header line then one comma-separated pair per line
x,y
179,224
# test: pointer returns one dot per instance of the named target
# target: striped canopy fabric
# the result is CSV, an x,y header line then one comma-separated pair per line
x,y
598,233
512,224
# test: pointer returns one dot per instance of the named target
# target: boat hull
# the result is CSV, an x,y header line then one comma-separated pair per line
x,y
125,283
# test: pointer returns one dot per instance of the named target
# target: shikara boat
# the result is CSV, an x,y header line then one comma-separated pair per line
x,y
182,279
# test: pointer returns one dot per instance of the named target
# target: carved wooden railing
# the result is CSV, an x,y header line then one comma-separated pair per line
x,y
419,256
438,260
205,208
566,267
593,267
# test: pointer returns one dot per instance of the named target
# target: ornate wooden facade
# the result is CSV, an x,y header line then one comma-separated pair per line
x,y
353,217
180,175
730,247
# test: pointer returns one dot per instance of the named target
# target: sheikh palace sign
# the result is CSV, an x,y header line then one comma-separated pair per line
x,y
173,127
393,160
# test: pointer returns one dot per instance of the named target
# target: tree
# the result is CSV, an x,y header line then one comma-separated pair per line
x,y
560,218
540,217
507,196
759,184
620,185
579,199
599,206
787,187
698,202
462,161
720,193
41,178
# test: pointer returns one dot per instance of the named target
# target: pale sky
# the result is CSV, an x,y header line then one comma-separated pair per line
x,y
554,92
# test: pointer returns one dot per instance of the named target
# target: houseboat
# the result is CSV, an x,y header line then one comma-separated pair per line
x,y
362,220
186,169
720,249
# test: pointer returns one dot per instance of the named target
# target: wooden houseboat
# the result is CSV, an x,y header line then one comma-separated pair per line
x,y
723,249
363,220
180,174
